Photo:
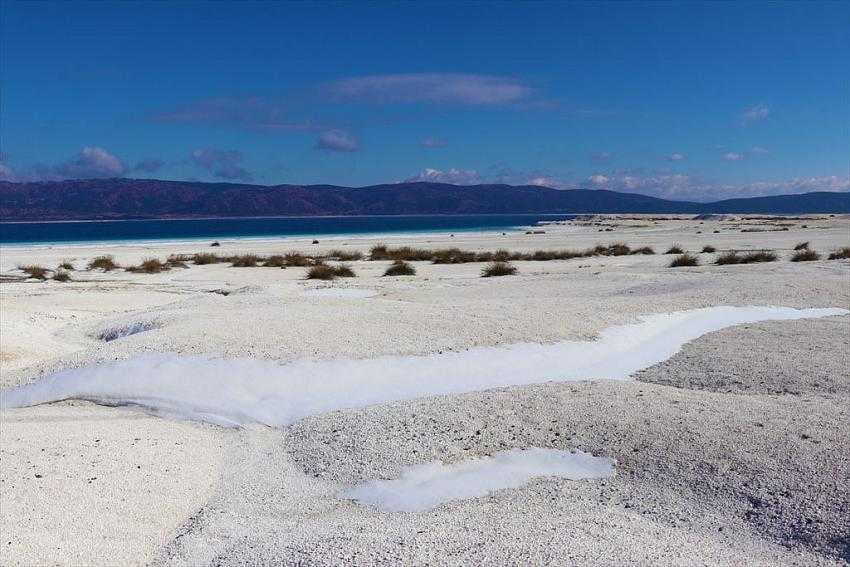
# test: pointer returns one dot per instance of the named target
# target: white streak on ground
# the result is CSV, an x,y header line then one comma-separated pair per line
x,y
422,487
240,391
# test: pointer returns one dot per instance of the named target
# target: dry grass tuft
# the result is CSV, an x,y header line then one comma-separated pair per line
x,y
733,257
841,254
66,265
204,258
675,249
344,255
62,276
646,250
245,261
298,260
275,261
709,249
344,271
321,272
453,256
498,269
105,263
805,255
400,268
35,271
149,266
802,246
683,261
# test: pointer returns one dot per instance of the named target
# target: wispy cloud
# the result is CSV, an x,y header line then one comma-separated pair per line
x,y
337,141
676,157
250,113
755,113
436,88
733,156
433,143
759,151
224,164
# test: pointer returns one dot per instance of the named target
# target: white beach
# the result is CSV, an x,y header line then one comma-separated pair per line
x,y
736,446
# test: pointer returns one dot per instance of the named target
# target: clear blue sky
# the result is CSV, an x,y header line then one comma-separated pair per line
x,y
684,100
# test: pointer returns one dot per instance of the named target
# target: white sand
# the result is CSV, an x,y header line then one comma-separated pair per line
x,y
234,496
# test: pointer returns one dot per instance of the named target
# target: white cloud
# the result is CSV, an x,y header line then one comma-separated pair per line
x,y
543,182
733,156
92,162
6,173
337,141
598,179
449,88
676,157
451,176
755,113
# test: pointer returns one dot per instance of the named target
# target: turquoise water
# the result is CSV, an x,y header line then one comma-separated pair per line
x,y
206,229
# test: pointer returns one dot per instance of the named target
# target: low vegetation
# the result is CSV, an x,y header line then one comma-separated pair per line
x,y
245,261
841,254
149,266
296,259
733,257
105,263
802,246
204,258
35,271
684,260
805,255
675,249
498,269
62,276
400,268
709,249
344,255
324,271
275,261
66,265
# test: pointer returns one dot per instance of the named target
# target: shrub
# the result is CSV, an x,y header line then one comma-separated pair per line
x,y
805,255
275,261
709,249
35,271
205,258
841,254
105,263
149,266
618,249
245,261
345,256
343,271
730,257
321,272
66,265
684,260
62,276
453,256
406,253
296,259
400,268
498,269
177,261
802,246
675,249
646,250
761,256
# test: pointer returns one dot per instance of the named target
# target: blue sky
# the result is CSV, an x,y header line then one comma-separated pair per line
x,y
681,100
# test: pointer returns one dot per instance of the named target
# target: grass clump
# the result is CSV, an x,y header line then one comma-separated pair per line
x,y
400,268
405,253
297,260
105,263
498,269
345,255
245,261
645,250
733,257
35,271
275,261
149,266
323,271
709,249
62,276
805,255
204,258
801,246
675,249
66,265
841,254
684,260
453,256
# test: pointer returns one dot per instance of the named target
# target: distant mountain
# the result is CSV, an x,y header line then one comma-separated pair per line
x,y
100,199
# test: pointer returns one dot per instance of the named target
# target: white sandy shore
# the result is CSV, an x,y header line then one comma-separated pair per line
x,y
691,462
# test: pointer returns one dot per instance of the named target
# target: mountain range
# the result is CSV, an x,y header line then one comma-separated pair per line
x,y
101,199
